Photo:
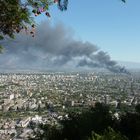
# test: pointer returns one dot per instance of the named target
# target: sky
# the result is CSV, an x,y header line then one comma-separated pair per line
x,y
110,24
90,34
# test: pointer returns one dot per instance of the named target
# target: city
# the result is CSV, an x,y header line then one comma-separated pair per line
x,y
47,97
69,70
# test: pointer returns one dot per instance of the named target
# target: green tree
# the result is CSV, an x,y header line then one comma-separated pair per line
x,y
80,126
17,15
129,125
108,134
137,108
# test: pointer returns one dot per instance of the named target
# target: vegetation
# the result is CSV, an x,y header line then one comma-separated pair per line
x,y
96,123
16,15
108,134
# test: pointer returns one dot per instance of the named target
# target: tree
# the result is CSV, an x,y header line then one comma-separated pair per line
x,y
137,108
108,134
80,125
129,125
47,132
17,15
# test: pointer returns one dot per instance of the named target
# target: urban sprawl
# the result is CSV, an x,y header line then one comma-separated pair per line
x,y
46,97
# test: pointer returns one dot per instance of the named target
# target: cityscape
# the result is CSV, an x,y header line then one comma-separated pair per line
x,y
69,70
47,97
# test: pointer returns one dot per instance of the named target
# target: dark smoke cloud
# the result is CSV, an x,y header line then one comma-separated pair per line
x,y
52,47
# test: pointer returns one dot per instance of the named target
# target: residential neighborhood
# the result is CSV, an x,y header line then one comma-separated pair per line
x,y
35,98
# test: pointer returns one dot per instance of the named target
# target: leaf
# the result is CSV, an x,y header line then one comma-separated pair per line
x,y
46,7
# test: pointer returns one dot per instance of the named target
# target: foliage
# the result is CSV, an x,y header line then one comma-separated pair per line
x,y
16,15
129,125
95,123
79,126
137,108
108,134
13,17
48,132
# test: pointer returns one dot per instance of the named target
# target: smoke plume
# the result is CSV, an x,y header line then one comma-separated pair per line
x,y
52,47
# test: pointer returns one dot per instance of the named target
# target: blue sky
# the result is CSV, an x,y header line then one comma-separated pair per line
x,y
110,24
